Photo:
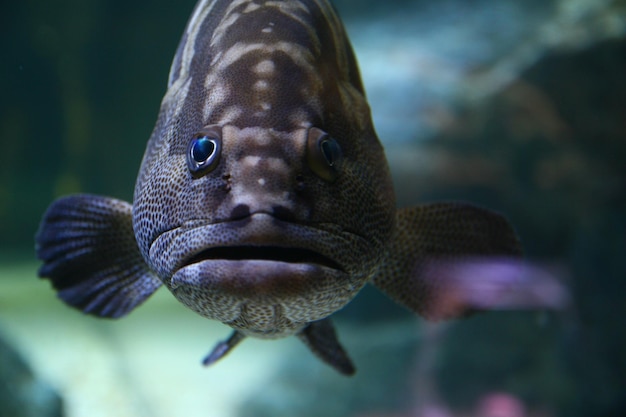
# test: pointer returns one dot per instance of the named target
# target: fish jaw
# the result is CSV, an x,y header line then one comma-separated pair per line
x,y
262,276
267,299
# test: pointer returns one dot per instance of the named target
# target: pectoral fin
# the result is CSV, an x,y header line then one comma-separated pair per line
x,y
91,257
449,259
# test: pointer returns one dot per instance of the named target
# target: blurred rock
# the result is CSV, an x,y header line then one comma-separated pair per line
x,y
421,59
21,393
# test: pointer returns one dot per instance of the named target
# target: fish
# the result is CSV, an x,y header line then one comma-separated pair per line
x,y
264,199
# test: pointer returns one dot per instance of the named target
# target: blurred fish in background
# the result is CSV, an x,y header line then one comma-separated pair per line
x,y
515,105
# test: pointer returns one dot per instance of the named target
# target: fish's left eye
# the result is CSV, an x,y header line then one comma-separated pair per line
x,y
331,151
203,152
324,154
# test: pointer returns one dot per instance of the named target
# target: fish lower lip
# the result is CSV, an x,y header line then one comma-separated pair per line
x,y
266,253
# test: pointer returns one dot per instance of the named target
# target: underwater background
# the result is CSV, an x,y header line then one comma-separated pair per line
x,y
517,105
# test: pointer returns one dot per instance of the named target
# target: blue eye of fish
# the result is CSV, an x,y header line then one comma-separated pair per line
x,y
202,149
203,152
324,155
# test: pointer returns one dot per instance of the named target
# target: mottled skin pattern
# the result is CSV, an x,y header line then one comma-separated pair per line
x,y
264,198
264,73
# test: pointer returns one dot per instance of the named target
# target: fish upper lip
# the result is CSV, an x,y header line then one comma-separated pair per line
x,y
259,236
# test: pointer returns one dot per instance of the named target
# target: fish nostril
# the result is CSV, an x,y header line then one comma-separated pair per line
x,y
240,211
300,186
283,213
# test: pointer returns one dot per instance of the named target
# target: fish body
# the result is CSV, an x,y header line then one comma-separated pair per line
x,y
264,198
270,82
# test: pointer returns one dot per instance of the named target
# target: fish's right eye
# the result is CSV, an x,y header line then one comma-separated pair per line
x,y
203,152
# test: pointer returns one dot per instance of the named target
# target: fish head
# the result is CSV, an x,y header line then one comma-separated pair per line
x,y
264,198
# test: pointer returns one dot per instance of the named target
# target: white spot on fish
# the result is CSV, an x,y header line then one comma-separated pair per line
x,y
216,58
223,27
261,181
234,4
300,56
299,117
251,7
259,137
266,67
230,115
251,160
261,85
293,8
211,80
277,164
267,29
218,93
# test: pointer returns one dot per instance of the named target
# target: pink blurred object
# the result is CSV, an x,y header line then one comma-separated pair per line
x,y
501,405
434,411
492,283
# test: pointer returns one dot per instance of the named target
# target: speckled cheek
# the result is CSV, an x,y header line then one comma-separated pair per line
x,y
160,205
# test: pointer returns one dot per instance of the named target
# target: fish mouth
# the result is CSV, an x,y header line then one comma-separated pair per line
x,y
289,255
259,267
261,240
